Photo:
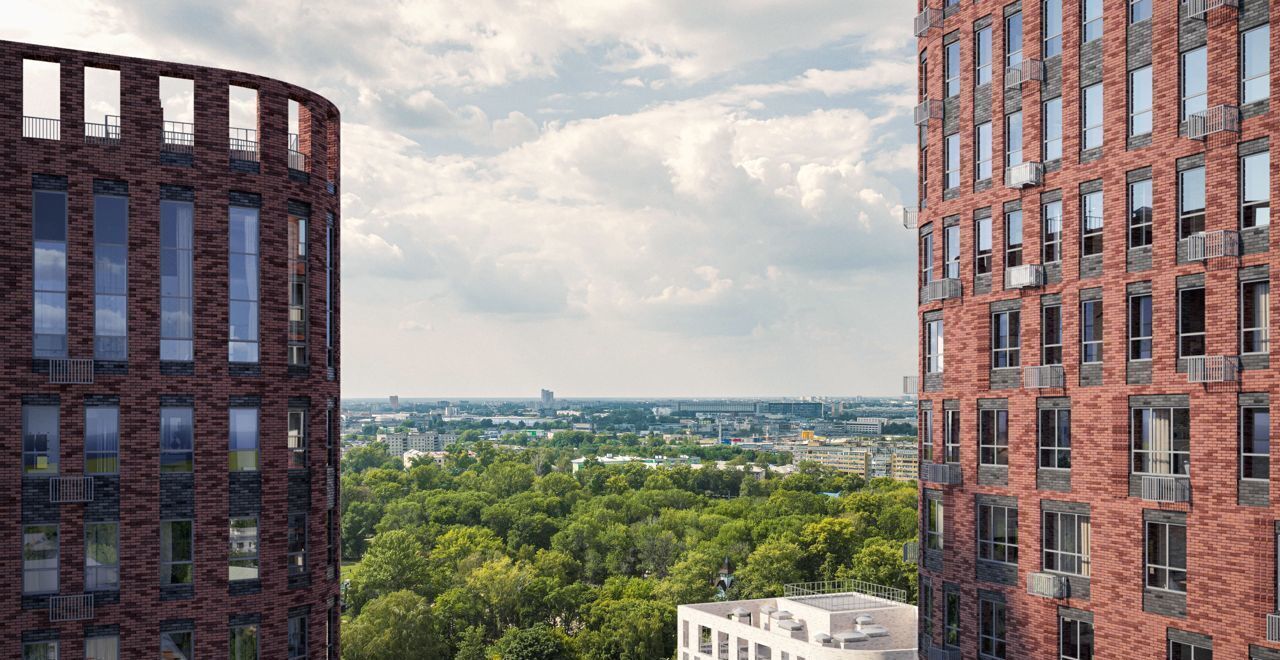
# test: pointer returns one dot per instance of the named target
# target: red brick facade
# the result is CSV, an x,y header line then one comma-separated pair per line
x,y
1231,545
140,609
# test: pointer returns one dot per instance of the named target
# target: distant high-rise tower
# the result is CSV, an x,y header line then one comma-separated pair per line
x,y
395,401
548,400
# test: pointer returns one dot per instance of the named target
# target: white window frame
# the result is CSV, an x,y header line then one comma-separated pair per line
x,y
1051,118
1092,135
1136,112
1260,329
1265,74
934,346
1262,457
951,436
982,70
1137,7
1054,547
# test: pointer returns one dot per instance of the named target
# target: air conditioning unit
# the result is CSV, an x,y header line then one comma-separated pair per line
x,y
1033,70
1158,488
1048,585
942,290
947,474
1024,175
1273,627
911,552
1218,119
910,217
70,489
936,653
927,20
910,385
928,109
1042,377
75,607
1024,276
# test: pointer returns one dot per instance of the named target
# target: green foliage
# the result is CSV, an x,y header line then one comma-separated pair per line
x,y
398,625
541,642
374,454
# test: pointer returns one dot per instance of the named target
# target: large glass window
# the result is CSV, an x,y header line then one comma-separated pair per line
x,y
982,55
1255,317
1139,10
933,522
1013,139
1066,543
176,281
1255,48
1140,104
951,69
102,439
1091,116
1051,334
1255,177
951,252
243,536
244,643
328,282
297,440
1190,202
982,262
49,231
176,439
982,169
1255,443
1091,331
1167,556
1053,129
244,439
951,619
1195,81
101,556
933,347
992,628
998,534
993,437
926,258
111,277
926,432
1013,40
1052,28
1162,441
1185,651
951,177
1077,636
40,651
1191,322
1140,213
177,558
1055,438
1091,223
40,559
298,637
1013,239
1140,327
1006,340
1091,17
243,256
1051,246
177,645
297,290
39,439
951,435
297,547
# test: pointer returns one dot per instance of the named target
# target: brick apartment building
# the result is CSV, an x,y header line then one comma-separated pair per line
x,y
170,364
1095,379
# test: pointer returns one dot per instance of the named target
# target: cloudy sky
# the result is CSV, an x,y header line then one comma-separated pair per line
x,y
604,198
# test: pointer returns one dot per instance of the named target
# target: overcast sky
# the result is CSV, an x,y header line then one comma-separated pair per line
x,y
600,197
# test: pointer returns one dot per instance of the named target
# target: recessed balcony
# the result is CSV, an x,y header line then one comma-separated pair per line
x,y
947,474
1203,246
1024,175
1026,276
1043,377
1218,119
1048,585
1159,488
1213,369
242,144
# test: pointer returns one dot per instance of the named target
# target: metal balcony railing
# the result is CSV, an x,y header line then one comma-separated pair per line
x,y
1273,627
1159,488
76,607
1213,369
928,109
107,133
178,137
911,552
1218,119
1028,70
1024,276
1024,175
41,128
1201,8
947,474
1041,377
927,20
1048,585
297,159
1212,245
243,144
910,385
942,290
69,371
910,217
70,489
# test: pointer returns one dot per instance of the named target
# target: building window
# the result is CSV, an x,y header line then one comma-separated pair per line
x,y
244,642
1140,104
102,556
926,610
1051,246
983,154
243,551
951,177
951,252
1255,443
951,620
926,258
49,282
1092,21
1162,441
1140,327
1184,651
1140,213
176,555
1066,543
926,433
1091,223
1055,438
998,534
40,559
1013,239
176,281
40,439
328,289
1091,331
111,277
1190,202
1051,332
982,47
1013,40
297,548
1195,81
1256,52
1013,139
951,435
244,439
1166,556
1077,636
102,648
101,439
993,437
298,637
1006,340
1255,317
951,69
1255,175
1139,10
40,651
1091,116
297,291
1053,129
297,441
177,645
933,347
1052,28
1190,322
176,439
991,630
982,264
243,257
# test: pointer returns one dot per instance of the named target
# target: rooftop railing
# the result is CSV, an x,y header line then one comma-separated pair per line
x,y
243,144
41,128
178,137
846,594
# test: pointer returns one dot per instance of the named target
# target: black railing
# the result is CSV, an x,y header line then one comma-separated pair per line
x,y
42,128
297,159
178,137
243,144
108,132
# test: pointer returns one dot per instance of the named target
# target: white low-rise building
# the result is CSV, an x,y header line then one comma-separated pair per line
x,y
839,620
400,442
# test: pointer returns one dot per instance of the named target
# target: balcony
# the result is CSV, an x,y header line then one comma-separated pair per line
x,y
107,133
242,143
1028,70
910,385
1024,175
1048,585
1043,377
76,607
928,109
68,371
1213,369
911,552
297,159
927,20
1200,8
70,489
1273,627
947,474
941,290
910,217
1157,488
178,137
41,128
1218,119
1026,276
1213,245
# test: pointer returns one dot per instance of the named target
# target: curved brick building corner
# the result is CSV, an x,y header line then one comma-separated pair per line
x,y
169,380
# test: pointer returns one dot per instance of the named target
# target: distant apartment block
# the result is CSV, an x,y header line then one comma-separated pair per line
x,y
430,441
808,409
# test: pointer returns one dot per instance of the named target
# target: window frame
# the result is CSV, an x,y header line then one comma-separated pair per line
x,y
1014,134
1089,322
48,644
1091,235
1192,101
241,459
934,350
1160,452
951,162
1013,57
167,565
1250,209
297,544
993,438
56,560
1013,231
1092,128
935,522
1141,119
982,155
1051,45
1051,126
113,640
251,339
108,568
236,631
982,235
189,645
1051,345
1076,634
1051,246
1140,342
298,649
1053,439
1163,563
243,559
96,461
951,619
993,629
951,436
1006,349
52,442
951,70
298,293
981,70
1140,217
176,346
1139,11
1264,75
1091,29
1259,460
926,433
1066,540
1191,219
926,257
951,252
1190,341
186,457
101,289
1255,334
48,289
993,547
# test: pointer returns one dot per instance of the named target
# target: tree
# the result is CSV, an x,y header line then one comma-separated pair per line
x,y
540,642
394,561
395,625
627,629
374,454
880,562
771,566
